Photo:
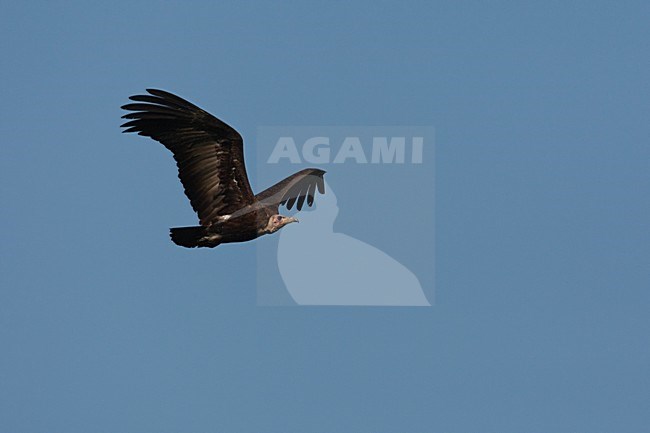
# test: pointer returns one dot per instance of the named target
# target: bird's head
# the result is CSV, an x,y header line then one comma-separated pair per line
x,y
276,222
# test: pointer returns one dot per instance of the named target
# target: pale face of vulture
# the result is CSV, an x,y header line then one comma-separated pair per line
x,y
276,222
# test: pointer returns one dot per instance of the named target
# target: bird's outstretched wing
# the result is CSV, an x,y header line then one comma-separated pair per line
x,y
297,187
209,153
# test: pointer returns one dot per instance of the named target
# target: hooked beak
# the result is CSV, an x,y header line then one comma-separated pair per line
x,y
292,220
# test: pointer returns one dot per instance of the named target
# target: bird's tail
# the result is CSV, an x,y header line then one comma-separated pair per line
x,y
188,237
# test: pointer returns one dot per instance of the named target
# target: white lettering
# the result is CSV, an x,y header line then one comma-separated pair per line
x,y
351,148
314,155
387,152
284,148
417,145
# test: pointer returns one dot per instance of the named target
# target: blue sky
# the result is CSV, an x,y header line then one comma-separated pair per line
x,y
542,246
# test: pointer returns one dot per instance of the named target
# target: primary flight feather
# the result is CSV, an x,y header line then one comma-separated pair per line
x,y
210,159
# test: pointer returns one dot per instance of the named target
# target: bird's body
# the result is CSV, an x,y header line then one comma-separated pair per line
x,y
210,159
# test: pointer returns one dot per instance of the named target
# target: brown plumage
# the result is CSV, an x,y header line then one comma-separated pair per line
x,y
210,159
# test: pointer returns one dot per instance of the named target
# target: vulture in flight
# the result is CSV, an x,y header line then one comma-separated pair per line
x,y
210,159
